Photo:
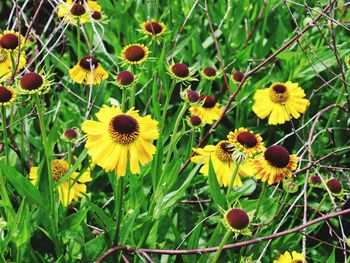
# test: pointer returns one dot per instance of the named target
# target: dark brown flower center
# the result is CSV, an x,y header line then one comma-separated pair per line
x,y
135,53
153,28
195,120
124,129
238,76
88,63
208,101
334,186
279,88
31,81
237,218
70,134
210,72
223,151
96,15
277,156
192,96
9,41
315,179
247,139
5,94
180,70
77,9
125,78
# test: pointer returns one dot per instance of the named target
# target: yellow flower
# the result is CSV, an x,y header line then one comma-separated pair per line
x,y
295,257
88,70
246,141
134,54
6,63
280,102
33,83
74,11
7,95
11,41
118,138
209,111
275,164
69,189
153,28
220,156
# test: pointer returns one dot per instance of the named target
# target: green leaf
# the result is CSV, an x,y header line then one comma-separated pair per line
x,y
214,188
73,220
331,258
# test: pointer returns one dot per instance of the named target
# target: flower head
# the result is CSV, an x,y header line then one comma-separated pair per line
x,y
153,28
237,76
180,72
32,83
209,111
118,138
190,96
6,63
246,141
280,102
88,70
70,135
7,95
11,41
275,164
237,220
220,156
287,257
72,188
125,79
134,54
73,11
334,186
195,121
210,73
315,181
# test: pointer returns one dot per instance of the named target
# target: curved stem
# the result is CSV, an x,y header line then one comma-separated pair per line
x,y
119,206
259,202
222,243
233,178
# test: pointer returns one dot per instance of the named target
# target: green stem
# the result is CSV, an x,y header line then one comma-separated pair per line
x,y
166,105
132,96
78,41
10,213
7,150
222,243
259,202
122,104
69,154
233,178
119,206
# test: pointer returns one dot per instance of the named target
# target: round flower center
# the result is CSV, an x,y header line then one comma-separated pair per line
x,y
77,9
125,78
124,129
208,101
134,53
96,15
70,134
237,218
277,156
9,41
88,63
195,120
192,96
209,71
238,76
223,151
315,179
59,169
5,94
279,93
31,81
247,139
154,28
334,186
180,70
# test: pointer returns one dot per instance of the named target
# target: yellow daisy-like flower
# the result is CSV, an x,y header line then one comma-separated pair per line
x,y
295,257
88,70
6,63
153,28
246,141
280,102
7,95
275,164
209,111
82,11
134,54
11,41
68,190
33,83
220,156
118,138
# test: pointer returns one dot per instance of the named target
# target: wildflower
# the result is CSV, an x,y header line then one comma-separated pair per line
x,y
238,76
246,141
125,79
11,41
190,96
315,180
180,72
220,156
237,220
134,54
88,70
6,67
7,95
32,83
280,102
118,138
194,121
73,11
69,190
295,257
275,164
209,111
70,135
334,186
210,73
153,28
